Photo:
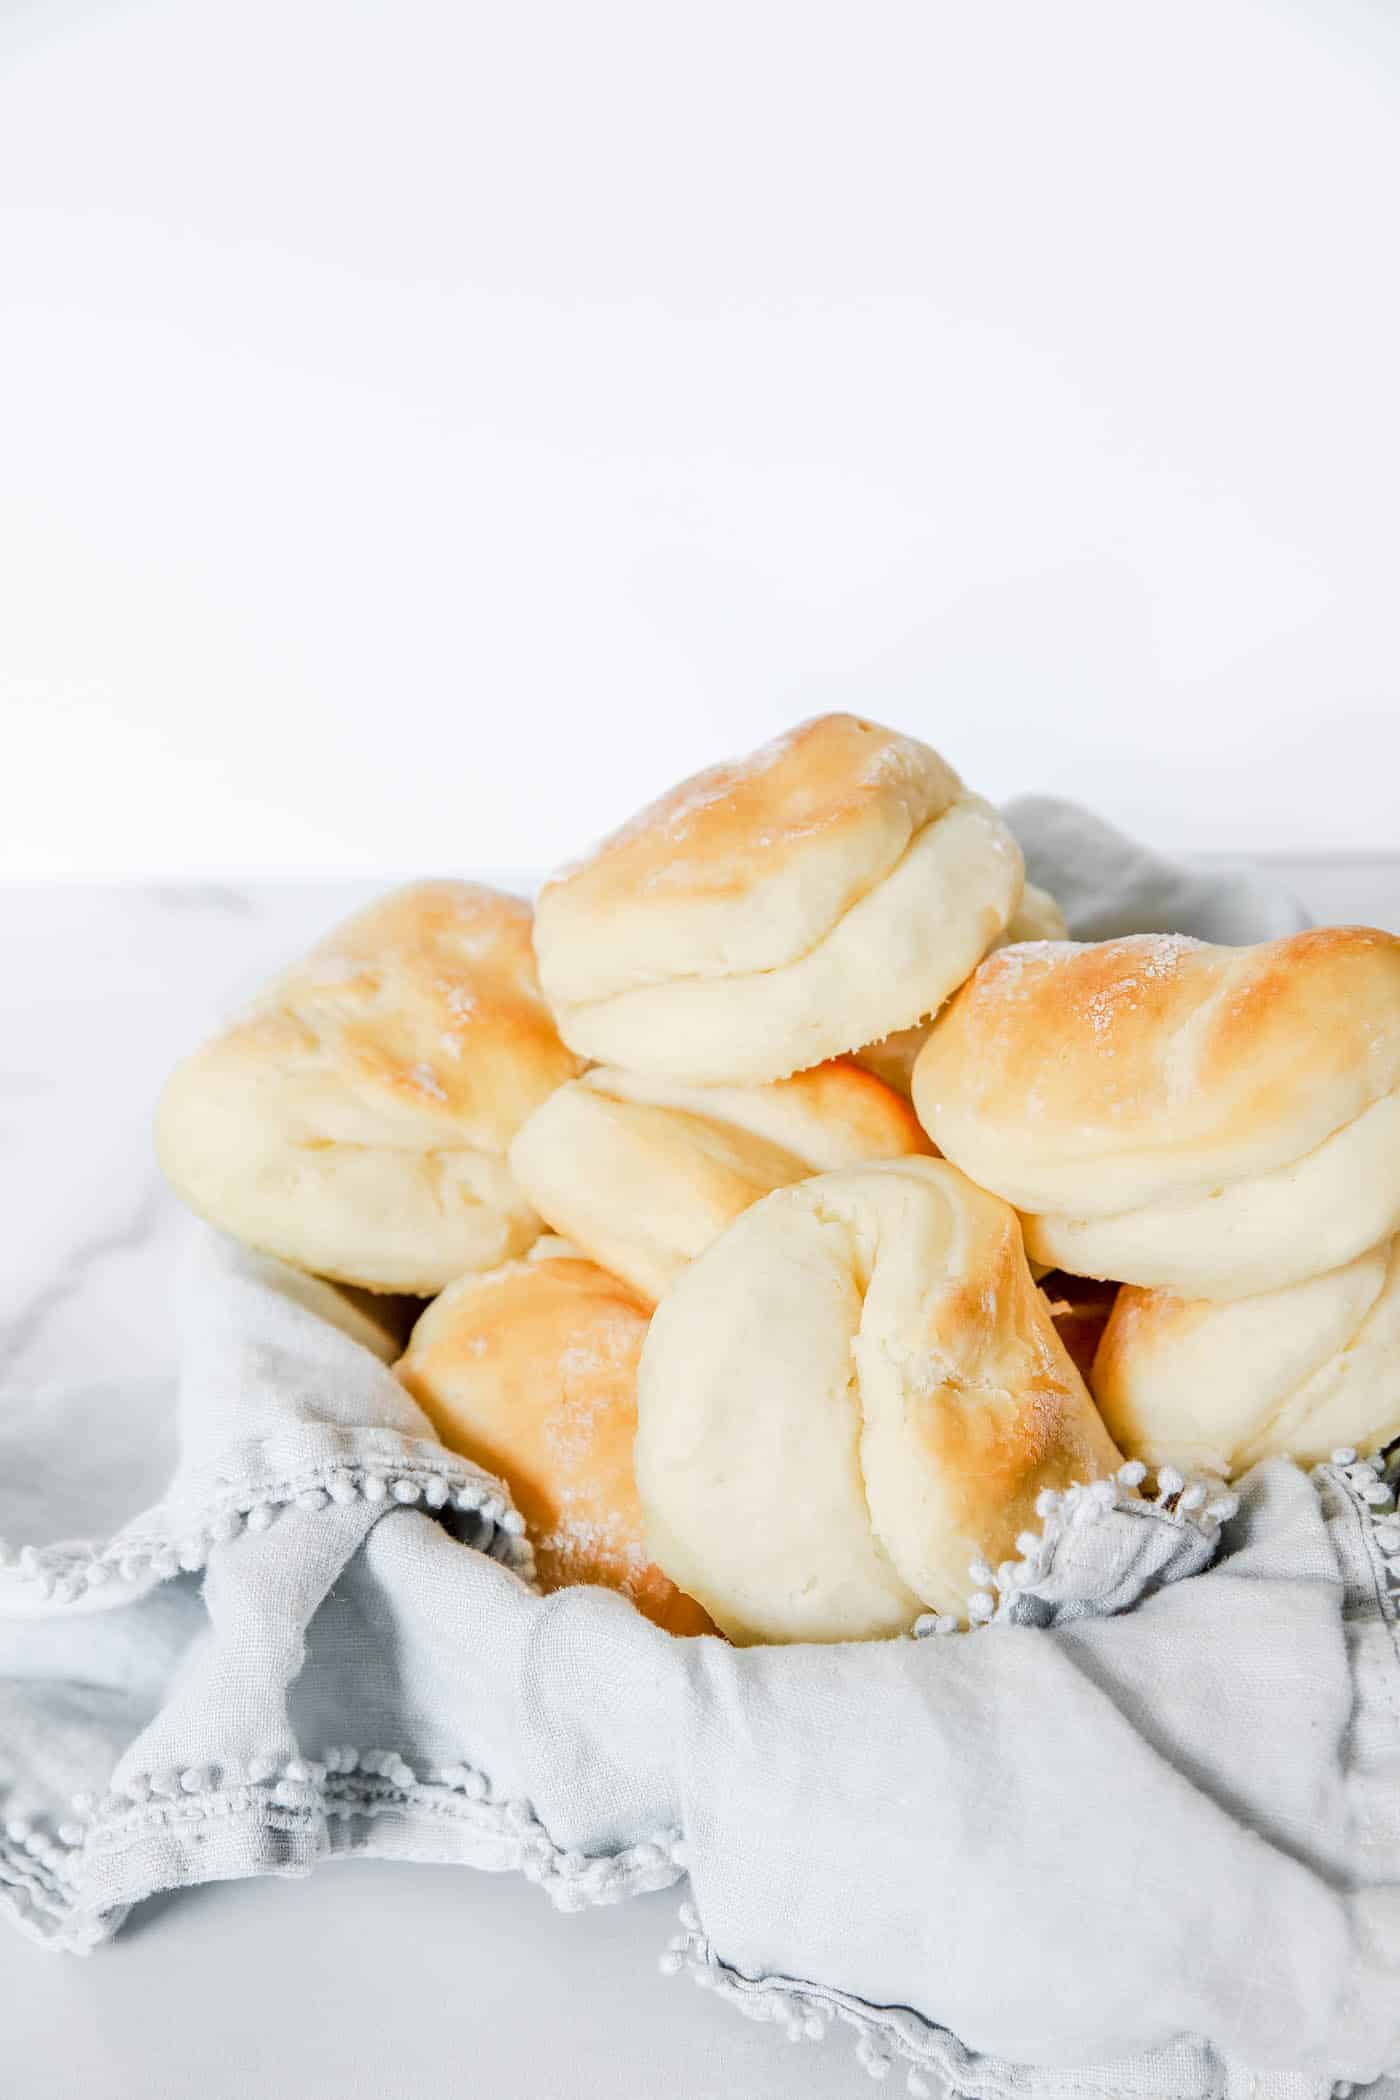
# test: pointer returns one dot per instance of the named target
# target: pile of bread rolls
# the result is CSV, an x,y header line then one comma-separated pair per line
x,y
774,1180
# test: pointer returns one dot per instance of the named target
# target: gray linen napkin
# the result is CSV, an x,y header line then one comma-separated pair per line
x,y
1138,1834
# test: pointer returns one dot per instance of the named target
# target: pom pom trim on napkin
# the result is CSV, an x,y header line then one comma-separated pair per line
x,y
317,1805
1031,1591
389,1471
1053,1578
39,1863
1070,1569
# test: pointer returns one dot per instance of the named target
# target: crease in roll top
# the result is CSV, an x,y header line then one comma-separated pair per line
x,y
853,1395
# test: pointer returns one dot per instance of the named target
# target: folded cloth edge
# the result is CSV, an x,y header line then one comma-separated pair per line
x,y
1361,1498
60,1878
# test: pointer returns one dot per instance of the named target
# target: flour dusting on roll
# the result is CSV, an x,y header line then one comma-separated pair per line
x,y
1212,1121
531,1372
779,910
355,1120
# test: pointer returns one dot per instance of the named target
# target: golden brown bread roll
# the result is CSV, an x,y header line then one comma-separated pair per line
x,y
777,911
531,1371
356,1120
642,1174
1294,1373
1212,1121
1036,918
852,1395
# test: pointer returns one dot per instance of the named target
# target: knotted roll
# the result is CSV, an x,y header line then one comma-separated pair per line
x,y
531,1372
1036,918
1294,1373
777,911
355,1121
1216,1122
642,1174
852,1396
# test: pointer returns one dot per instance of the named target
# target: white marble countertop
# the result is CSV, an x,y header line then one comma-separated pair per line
x,y
422,1982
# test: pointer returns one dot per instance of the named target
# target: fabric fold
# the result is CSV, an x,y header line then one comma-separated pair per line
x,y
1017,1772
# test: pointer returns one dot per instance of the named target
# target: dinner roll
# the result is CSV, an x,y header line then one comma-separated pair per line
x,y
776,911
851,1396
355,1121
1297,1372
531,1372
1036,918
1212,1121
643,1173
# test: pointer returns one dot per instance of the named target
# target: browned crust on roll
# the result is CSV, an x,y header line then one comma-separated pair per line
x,y
1163,1060
531,1372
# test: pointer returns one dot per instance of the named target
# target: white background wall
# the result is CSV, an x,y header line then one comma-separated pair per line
x,y
429,428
